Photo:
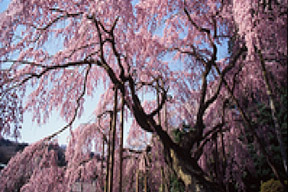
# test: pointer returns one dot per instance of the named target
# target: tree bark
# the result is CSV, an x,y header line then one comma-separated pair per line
x,y
179,159
145,180
112,151
108,158
164,187
121,143
185,167
192,176
102,162
137,180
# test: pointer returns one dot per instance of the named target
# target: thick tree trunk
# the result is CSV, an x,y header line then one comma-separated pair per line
x,y
185,167
191,174
178,158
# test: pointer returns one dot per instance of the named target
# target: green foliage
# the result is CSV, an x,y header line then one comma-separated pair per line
x,y
179,132
272,186
175,184
263,117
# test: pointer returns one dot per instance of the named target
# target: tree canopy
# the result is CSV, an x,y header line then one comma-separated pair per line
x,y
203,83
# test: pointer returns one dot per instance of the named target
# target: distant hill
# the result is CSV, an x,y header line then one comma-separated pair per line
x,y
8,149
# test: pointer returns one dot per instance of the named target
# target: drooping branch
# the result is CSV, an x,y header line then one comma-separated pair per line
x,y
64,15
80,97
28,76
44,71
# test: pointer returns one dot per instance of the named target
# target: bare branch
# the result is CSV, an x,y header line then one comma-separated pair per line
x,y
64,16
103,63
207,137
201,109
46,69
163,99
116,53
222,76
138,111
141,84
23,62
193,53
201,29
83,47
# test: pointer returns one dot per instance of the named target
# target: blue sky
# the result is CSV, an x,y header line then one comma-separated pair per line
x,y
32,132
